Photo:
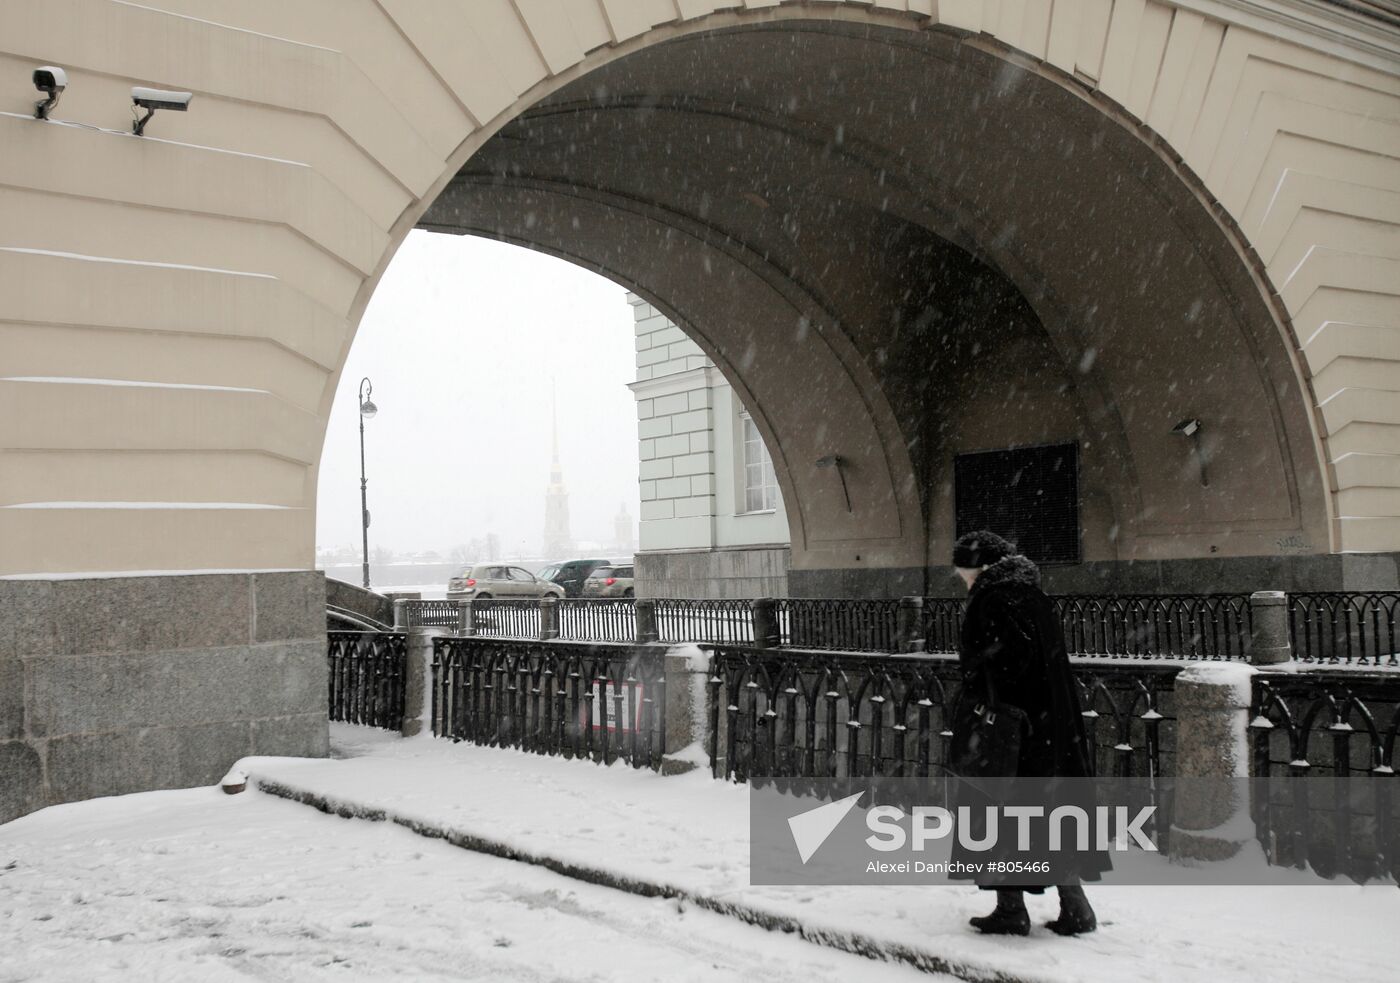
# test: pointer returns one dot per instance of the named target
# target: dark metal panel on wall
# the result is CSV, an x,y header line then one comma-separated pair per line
x,y
1030,495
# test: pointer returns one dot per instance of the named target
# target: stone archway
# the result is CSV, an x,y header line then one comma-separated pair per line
x,y
898,257
249,235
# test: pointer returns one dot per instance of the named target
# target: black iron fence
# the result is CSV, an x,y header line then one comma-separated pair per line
x,y
852,625
430,614
1353,627
1170,626
1145,626
942,623
597,701
1358,628
1337,725
721,620
1130,717
788,713
598,620
366,677
821,714
506,618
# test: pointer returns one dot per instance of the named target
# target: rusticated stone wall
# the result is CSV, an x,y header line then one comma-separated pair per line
x,y
125,684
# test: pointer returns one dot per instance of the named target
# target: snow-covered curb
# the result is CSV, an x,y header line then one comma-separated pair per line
x,y
852,942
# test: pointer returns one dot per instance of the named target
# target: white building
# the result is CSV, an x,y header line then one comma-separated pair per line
x,y
712,521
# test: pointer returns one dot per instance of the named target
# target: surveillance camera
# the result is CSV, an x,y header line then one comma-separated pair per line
x,y
1187,428
50,80
154,99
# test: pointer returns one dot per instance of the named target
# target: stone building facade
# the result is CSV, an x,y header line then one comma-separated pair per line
x,y
713,522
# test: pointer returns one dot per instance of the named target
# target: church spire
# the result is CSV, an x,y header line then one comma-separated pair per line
x,y
558,541
554,427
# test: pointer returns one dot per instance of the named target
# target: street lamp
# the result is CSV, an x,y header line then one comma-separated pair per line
x,y
367,411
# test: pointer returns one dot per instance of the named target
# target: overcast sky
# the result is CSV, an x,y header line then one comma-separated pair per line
x,y
462,341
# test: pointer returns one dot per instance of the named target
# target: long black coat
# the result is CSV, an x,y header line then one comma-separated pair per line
x,y
1012,638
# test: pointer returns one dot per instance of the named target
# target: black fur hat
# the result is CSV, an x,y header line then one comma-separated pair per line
x,y
980,549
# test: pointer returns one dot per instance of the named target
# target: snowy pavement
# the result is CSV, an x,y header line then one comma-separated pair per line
x,y
194,885
691,833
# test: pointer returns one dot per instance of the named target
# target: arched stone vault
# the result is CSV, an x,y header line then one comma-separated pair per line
x,y
700,174
1253,143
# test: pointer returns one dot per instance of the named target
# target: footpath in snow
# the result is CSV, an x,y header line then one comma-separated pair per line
x,y
194,886
688,835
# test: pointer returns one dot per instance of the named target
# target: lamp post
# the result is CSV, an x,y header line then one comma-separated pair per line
x,y
367,411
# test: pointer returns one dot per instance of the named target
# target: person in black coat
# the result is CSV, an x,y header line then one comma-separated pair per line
x,y
1012,648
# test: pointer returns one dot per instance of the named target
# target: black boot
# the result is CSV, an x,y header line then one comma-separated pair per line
x,y
1076,914
1008,918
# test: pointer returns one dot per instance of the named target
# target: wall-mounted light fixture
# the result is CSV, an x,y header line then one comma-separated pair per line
x,y
51,81
1191,429
152,99
839,463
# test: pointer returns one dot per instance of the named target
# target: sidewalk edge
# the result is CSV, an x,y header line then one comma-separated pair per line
x,y
853,942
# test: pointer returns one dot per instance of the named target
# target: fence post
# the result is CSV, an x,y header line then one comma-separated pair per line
x,y
417,679
644,610
400,613
549,618
765,624
466,618
909,625
686,719
1269,637
1212,810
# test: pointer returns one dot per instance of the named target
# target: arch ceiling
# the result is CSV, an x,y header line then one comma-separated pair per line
x,y
876,227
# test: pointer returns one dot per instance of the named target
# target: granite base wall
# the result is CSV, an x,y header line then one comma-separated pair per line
x,y
127,684
1207,575
733,572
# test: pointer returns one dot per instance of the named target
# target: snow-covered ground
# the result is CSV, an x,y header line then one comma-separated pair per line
x,y
692,832
193,886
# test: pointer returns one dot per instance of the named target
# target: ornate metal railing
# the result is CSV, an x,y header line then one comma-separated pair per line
x,y
506,617
790,713
1168,626
1361,628
1336,725
942,623
596,701
1144,626
430,614
366,671
704,620
1130,717
601,620
1354,627
848,625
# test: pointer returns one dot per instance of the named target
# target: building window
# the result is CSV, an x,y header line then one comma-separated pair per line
x,y
760,484
1029,495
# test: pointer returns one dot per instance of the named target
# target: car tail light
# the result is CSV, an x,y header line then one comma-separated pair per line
x,y
471,582
610,581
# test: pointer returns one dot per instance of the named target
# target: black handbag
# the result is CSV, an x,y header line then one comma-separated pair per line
x,y
987,736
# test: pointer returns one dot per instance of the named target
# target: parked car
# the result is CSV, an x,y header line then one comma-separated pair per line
x,y
609,582
571,574
499,580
